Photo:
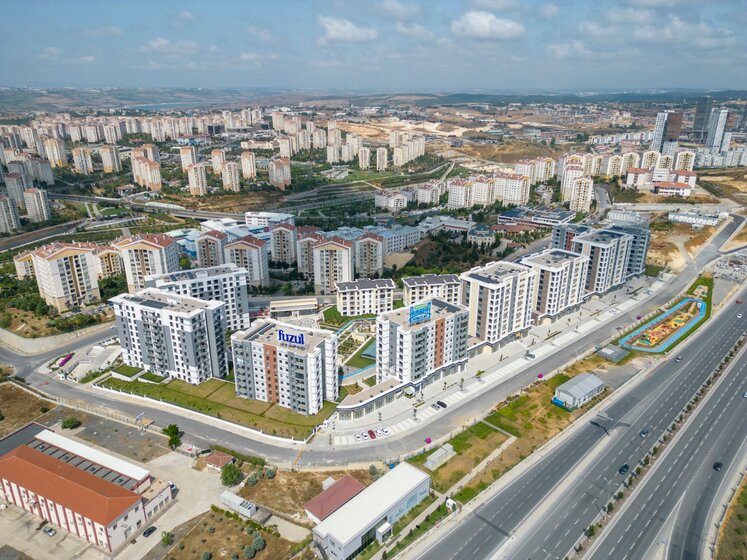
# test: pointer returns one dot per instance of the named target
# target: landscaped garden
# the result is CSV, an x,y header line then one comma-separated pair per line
x,y
217,398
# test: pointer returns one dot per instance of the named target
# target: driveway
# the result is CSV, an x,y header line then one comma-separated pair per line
x,y
197,491
22,531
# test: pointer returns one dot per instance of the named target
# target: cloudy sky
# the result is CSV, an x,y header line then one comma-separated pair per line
x,y
385,45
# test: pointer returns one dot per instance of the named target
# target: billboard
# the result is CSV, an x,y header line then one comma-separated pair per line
x,y
420,312
292,339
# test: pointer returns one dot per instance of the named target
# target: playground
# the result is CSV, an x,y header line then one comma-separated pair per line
x,y
659,334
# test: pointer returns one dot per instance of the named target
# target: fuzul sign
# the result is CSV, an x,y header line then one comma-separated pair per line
x,y
294,339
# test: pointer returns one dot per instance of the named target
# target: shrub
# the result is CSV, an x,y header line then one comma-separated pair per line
x,y
167,538
44,409
211,530
252,480
70,423
249,552
207,555
270,474
258,543
230,475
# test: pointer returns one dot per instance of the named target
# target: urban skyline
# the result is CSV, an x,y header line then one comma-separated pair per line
x,y
386,45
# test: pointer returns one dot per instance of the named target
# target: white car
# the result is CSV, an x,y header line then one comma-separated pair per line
x,y
364,435
379,433
387,431
358,437
739,315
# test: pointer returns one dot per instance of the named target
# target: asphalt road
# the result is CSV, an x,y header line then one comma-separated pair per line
x,y
319,453
557,523
674,503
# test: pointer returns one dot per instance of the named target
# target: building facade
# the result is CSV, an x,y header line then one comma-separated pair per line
x,y
252,255
446,287
66,275
561,281
365,297
145,255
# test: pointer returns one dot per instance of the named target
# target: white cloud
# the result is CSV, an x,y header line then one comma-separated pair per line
x,y
49,53
88,59
111,30
568,50
398,10
344,30
250,57
166,46
550,10
484,25
260,33
415,31
185,16
495,4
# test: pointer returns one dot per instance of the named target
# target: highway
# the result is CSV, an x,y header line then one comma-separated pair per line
x,y
547,525
671,508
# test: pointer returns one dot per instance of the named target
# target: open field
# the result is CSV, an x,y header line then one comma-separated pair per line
x,y
471,446
732,544
512,151
19,407
731,183
236,203
289,491
221,537
218,398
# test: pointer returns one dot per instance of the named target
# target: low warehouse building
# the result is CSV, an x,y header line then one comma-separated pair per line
x,y
370,514
578,391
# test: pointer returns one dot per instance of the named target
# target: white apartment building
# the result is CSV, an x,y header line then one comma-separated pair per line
x,y
217,159
268,219
685,161
82,162
561,281
211,245
146,173
333,154
305,251
630,159
283,238
364,158
392,201
280,173
187,156
230,176
364,296
582,192
107,261
252,255
445,287
333,263
248,165
608,253
172,335
382,158
9,219
285,364
24,265
499,298
37,205
226,283
571,173
197,174
66,275
614,166
369,255
147,254
16,184
649,159
421,343
110,159
54,150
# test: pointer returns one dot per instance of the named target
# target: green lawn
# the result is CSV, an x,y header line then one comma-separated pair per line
x,y
333,317
127,371
359,361
653,270
148,376
370,381
217,398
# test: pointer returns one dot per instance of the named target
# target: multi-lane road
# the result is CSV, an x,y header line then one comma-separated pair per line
x,y
669,513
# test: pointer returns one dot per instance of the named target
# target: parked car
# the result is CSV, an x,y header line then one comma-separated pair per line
x,y
717,466
739,301
739,315
358,437
379,432
434,406
371,434
624,469
149,531
364,435
387,431
442,404
49,531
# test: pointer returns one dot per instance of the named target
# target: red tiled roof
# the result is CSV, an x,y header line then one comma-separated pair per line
x,y
91,496
247,240
333,498
219,459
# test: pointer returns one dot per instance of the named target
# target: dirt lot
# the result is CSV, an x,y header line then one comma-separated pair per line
x,y
242,202
19,407
730,183
289,491
224,538
511,152
738,240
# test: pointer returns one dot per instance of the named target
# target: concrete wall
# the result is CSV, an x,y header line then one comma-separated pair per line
x,y
25,345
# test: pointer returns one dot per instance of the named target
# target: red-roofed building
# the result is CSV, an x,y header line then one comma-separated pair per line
x,y
333,498
217,460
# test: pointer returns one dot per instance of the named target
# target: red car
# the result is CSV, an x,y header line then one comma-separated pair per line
x,y
739,301
371,434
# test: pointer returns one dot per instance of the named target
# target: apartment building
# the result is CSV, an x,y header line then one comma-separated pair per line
x,y
172,335
110,159
364,158
268,219
392,201
684,161
66,275
280,173
499,297
230,176
252,255
571,172
147,254
444,287
369,255
608,253
285,364
283,238
248,165
640,238
197,176
421,343
217,159
333,263
382,158
561,281
24,265
37,205
227,283
364,296
146,173
582,192
187,156
9,219
54,150
211,247
16,184
107,261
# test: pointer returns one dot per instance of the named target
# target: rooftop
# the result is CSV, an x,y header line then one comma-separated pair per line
x,y
550,258
333,498
194,274
431,280
439,309
156,300
267,331
495,272
581,385
365,284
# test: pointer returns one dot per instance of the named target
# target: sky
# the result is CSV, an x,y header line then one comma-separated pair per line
x,y
376,45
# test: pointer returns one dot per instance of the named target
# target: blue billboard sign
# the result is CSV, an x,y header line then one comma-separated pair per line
x,y
420,312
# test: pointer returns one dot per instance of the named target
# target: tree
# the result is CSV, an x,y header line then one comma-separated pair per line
x,y
172,431
230,475
70,423
249,552
258,543
373,471
166,538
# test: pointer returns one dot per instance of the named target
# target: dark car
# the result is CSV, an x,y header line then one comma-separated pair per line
x,y
739,301
149,531
717,466
442,404
625,468
371,434
644,433
678,359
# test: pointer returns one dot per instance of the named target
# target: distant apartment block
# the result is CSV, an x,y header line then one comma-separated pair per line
x,y
445,287
252,255
333,263
211,247
364,296
145,255
66,274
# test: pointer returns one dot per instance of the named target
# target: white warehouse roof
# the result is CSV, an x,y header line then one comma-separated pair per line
x,y
372,503
581,385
